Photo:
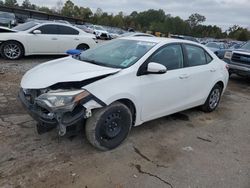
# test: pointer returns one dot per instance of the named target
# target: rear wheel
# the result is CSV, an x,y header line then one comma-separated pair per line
x,y
213,99
82,47
12,50
109,126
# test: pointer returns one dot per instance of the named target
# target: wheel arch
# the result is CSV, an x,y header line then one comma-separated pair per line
x,y
81,44
221,84
131,107
13,40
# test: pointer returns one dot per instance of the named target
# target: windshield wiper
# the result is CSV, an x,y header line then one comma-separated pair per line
x,y
100,63
91,61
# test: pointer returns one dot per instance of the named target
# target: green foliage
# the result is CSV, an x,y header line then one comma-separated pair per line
x,y
150,20
26,4
11,3
68,9
71,10
45,9
239,33
196,19
244,35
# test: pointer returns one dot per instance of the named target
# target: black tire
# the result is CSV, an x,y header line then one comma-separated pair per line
x,y
12,50
213,99
109,126
82,47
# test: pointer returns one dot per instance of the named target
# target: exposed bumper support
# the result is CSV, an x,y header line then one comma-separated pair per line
x,y
61,119
54,119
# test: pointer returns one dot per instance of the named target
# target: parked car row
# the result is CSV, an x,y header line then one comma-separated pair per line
x,y
33,38
42,37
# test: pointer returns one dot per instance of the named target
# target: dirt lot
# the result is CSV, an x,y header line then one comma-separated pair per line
x,y
190,149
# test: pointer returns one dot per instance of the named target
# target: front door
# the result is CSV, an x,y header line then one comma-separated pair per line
x,y
45,43
163,94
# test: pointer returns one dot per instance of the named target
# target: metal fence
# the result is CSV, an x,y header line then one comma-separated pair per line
x,y
24,14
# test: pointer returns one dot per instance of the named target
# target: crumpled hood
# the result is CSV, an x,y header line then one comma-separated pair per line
x,y
62,70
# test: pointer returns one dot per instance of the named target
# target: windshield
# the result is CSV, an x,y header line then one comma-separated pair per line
x,y
246,46
25,26
213,45
118,53
7,15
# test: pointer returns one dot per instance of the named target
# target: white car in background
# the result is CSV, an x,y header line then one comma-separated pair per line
x,y
43,38
100,32
136,34
123,83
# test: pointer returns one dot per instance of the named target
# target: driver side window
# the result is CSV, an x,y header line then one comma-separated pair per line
x,y
170,56
49,29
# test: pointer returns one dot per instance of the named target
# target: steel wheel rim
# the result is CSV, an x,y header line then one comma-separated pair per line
x,y
12,51
214,98
112,126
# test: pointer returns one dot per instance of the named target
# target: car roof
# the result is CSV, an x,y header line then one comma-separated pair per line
x,y
40,22
160,40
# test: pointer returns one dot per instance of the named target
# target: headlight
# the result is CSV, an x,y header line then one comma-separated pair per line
x,y
228,55
61,100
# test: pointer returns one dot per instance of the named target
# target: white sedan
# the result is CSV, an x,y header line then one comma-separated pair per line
x,y
100,32
123,83
43,38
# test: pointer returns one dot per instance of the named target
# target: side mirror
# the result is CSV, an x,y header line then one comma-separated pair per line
x,y
156,68
37,32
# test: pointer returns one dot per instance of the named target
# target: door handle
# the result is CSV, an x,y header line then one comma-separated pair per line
x,y
184,76
54,39
213,70
76,38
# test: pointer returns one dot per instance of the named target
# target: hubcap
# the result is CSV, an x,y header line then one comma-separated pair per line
x,y
12,51
214,98
112,126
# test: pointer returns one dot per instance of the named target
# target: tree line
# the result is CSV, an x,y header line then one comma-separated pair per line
x,y
150,20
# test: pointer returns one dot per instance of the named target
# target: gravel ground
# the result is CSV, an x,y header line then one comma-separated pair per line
x,y
190,149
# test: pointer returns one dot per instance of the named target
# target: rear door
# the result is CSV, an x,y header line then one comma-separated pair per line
x,y
46,42
68,38
200,74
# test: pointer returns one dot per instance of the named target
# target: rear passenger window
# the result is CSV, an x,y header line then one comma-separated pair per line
x,y
208,57
196,55
64,30
170,56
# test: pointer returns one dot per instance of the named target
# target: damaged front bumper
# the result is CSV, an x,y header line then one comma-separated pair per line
x,y
61,118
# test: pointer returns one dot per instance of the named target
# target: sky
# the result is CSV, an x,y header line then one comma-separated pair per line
x,y
223,13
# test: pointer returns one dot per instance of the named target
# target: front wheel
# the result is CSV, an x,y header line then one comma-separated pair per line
x,y
12,50
109,126
213,99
